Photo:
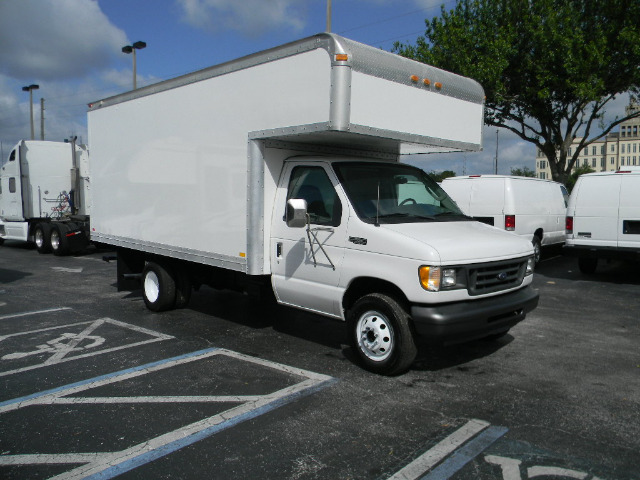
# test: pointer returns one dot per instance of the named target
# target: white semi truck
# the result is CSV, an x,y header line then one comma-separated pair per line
x,y
280,172
44,196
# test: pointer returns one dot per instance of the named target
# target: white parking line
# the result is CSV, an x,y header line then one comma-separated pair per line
x,y
431,457
26,314
107,465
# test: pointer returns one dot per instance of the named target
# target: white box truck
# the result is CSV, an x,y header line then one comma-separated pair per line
x,y
44,196
530,207
280,172
603,218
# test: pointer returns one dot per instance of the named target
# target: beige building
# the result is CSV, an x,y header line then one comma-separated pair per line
x,y
617,150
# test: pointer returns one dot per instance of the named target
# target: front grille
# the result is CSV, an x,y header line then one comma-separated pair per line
x,y
496,276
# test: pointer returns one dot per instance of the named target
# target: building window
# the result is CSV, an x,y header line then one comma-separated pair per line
x,y
603,163
585,162
623,131
613,148
613,161
635,130
634,160
543,164
569,152
622,151
634,148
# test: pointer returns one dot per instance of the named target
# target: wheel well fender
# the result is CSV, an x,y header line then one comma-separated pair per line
x,y
365,285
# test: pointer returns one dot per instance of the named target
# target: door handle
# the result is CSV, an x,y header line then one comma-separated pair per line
x,y
279,249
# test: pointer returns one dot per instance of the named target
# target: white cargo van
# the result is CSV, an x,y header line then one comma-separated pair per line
x,y
603,218
530,207
279,172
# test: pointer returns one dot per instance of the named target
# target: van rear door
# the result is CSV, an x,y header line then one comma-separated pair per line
x,y
629,211
595,220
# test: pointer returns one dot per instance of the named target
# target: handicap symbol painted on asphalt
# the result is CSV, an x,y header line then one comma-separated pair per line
x,y
511,470
67,342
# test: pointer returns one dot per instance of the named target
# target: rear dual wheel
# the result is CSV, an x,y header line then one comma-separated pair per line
x,y
164,288
42,237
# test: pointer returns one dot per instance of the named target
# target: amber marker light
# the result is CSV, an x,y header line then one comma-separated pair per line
x,y
438,85
426,81
342,57
414,78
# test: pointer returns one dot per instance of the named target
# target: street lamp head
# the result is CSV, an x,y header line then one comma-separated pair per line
x,y
137,46
30,87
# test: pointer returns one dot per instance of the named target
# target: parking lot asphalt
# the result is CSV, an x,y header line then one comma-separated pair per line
x,y
96,386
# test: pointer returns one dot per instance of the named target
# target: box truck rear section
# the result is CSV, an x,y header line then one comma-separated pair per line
x,y
45,196
280,173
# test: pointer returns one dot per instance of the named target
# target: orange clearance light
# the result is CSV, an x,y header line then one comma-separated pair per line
x,y
342,57
414,78
426,81
438,85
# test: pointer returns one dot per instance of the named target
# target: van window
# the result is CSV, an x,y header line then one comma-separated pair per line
x,y
12,185
12,157
313,185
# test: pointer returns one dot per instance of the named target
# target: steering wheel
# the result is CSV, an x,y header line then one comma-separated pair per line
x,y
406,200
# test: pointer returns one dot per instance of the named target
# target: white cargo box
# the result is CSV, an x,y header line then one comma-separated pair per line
x,y
188,168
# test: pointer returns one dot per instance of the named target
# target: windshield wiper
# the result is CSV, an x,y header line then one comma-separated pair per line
x,y
406,215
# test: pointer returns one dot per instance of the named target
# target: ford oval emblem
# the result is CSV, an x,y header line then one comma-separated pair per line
x,y
502,276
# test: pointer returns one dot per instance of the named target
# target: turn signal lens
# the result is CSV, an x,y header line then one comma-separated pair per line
x,y
430,278
342,57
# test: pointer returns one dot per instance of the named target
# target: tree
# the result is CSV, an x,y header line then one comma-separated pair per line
x,y
439,176
549,67
522,172
573,178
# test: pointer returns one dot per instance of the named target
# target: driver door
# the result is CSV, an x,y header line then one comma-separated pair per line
x,y
305,262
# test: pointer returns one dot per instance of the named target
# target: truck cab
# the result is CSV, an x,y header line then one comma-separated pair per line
x,y
382,246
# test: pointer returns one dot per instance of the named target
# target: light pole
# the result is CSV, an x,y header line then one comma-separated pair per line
x,y
30,89
132,49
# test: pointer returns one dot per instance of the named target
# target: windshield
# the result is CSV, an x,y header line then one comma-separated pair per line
x,y
395,193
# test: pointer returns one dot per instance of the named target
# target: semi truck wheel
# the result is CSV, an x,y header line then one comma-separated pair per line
x,y
587,264
58,240
381,334
158,288
42,237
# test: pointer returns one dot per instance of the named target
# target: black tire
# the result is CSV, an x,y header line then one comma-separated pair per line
x,y
42,237
381,335
158,288
58,240
183,288
587,265
537,249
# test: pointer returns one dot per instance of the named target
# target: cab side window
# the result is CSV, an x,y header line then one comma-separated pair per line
x,y
313,185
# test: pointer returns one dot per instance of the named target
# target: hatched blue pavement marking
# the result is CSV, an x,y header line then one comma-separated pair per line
x,y
465,454
101,465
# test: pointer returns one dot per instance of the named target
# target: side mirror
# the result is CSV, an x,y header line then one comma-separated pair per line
x,y
296,213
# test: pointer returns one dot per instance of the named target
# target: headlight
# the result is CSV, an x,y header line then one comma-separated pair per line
x,y
530,266
435,278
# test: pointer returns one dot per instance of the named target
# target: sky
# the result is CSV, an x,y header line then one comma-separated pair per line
x,y
72,49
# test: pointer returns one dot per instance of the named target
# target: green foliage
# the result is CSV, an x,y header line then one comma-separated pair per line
x,y
573,178
439,176
548,67
522,172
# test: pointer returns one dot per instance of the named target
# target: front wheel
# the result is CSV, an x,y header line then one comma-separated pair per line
x,y
381,334
158,288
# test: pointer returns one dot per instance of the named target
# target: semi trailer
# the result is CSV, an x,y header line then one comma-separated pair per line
x,y
45,196
280,173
